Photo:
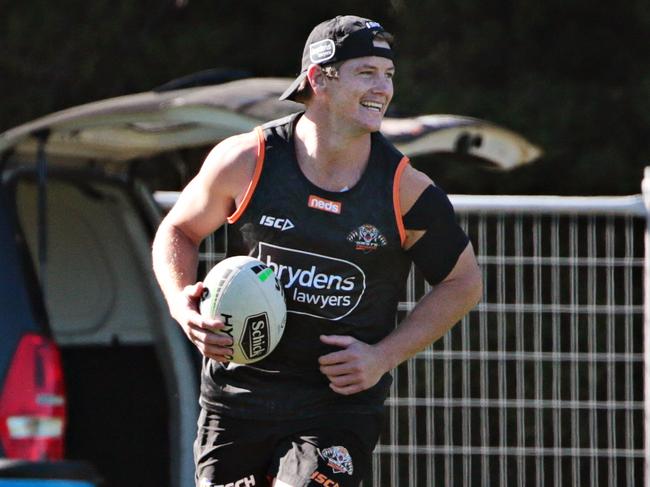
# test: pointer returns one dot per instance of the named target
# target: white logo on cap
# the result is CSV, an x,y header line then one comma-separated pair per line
x,y
373,25
322,51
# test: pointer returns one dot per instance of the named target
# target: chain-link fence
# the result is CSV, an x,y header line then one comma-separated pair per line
x,y
542,384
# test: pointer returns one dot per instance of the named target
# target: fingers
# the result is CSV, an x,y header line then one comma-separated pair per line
x,y
198,334
208,324
353,369
337,369
343,376
346,390
343,370
338,356
348,384
207,334
194,290
338,340
188,316
216,346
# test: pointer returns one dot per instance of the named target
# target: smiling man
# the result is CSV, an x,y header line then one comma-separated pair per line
x,y
339,214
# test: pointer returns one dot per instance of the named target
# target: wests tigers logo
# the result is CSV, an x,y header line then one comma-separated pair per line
x,y
367,238
338,459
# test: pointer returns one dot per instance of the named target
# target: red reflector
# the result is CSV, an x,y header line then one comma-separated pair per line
x,y
32,404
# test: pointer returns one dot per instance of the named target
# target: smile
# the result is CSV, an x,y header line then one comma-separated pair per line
x,y
371,105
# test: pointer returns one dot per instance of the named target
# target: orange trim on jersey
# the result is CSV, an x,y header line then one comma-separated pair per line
x,y
255,179
396,201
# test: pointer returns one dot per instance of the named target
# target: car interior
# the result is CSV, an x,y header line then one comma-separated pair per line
x,y
130,376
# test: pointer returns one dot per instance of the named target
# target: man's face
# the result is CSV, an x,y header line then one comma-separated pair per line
x,y
362,92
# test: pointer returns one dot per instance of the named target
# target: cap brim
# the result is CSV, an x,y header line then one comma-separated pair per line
x,y
291,91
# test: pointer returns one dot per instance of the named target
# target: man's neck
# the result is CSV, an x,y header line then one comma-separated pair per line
x,y
330,157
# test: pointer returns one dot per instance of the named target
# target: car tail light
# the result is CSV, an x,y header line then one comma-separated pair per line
x,y
32,402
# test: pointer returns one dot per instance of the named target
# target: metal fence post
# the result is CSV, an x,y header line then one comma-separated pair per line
x,y
645,186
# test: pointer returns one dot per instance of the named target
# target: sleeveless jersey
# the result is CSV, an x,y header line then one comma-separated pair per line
x,y
339,257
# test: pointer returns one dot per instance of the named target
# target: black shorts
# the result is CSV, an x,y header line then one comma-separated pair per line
x,y
330,451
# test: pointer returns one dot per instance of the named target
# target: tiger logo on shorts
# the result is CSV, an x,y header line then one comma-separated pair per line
x,y
338,459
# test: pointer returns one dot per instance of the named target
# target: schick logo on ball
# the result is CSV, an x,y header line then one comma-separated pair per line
x,y
255,338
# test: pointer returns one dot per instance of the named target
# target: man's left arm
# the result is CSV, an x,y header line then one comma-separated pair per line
x,y
359,366
439,310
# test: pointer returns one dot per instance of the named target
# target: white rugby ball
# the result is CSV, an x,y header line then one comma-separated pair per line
x,y
245,294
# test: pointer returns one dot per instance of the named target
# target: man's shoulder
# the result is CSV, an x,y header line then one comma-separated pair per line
x,y
231,163
412,185
237,150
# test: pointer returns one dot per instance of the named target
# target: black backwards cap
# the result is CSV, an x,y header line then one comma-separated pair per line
x,y
338,39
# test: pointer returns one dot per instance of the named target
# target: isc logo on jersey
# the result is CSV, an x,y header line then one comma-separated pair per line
x,y
315,285
281,224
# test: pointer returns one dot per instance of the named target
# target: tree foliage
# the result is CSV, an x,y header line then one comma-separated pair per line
x,y
570,75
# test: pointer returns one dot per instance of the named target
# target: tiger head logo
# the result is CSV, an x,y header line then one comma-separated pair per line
x,y
367,238
338,458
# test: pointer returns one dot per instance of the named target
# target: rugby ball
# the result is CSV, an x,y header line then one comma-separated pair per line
x,y
245,294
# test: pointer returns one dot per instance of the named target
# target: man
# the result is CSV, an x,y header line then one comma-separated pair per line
x,y
356,214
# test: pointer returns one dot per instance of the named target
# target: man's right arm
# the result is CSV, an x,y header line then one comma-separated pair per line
x,y
202,207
